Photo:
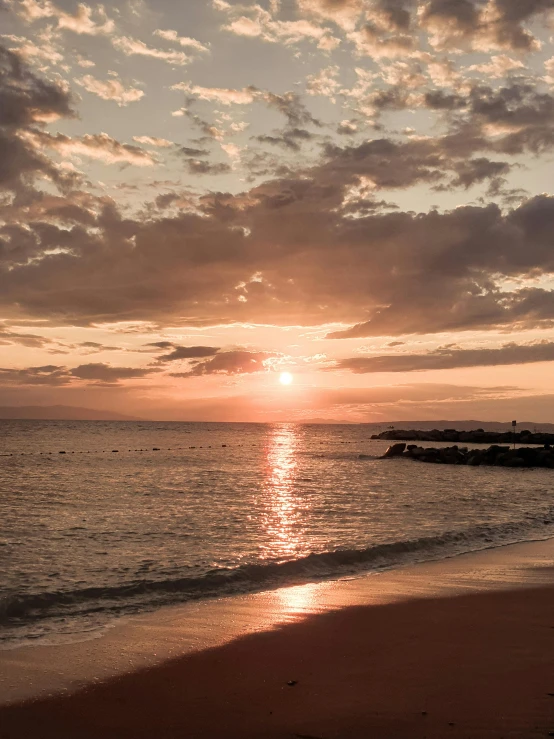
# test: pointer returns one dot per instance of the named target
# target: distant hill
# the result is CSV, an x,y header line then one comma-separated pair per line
x,y
466,425
59,413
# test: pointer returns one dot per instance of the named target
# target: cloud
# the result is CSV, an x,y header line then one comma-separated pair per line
x,y
27,102
99,146
383,274
369,41
324,83
253,21
43,48
483,26
100,372
94,347
292,107
46,375
26,99
189,151
235,362
425,392
162,344
110,90
8,337
185,352
289,103
185,41
290,138
81,22
549,69
207,129
202,166
345,13
133,47
320,241
153,141
498,66
452,357
471,172
58,375
222,95
347,128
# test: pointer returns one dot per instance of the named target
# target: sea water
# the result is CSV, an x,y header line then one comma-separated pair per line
x,y
137,515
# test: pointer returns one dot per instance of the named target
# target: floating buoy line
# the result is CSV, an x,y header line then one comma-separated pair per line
x,y
118,451
110,451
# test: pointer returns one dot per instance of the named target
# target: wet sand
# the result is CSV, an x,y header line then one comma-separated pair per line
x,y
419,659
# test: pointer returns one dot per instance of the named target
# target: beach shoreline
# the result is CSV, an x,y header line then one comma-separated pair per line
x,y
414,627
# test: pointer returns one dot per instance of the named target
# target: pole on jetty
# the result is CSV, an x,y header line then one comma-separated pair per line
x,y
514,424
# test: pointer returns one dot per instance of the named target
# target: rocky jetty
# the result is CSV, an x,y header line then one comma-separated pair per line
x,y
478,436
495,455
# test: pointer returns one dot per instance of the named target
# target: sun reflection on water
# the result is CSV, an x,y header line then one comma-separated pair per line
x,y
282,516
299,601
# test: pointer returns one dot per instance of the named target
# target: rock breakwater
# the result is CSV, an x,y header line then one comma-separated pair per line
x,y
495,455
478,436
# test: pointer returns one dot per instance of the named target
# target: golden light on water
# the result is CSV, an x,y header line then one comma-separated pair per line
x,y
286,378
299,600
282,518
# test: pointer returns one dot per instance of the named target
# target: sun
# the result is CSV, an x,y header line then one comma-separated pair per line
x,y
285,378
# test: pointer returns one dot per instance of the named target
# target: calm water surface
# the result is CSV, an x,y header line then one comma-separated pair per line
x,y
185,510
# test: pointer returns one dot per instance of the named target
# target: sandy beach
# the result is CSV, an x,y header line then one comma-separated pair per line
x,y
461,648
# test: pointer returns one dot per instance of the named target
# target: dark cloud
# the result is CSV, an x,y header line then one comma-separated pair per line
x,y
162,344
478,170
20,163
347,128
7,337
46,375
498,24
235,362
189,352
389,164
462,15
523,116
390,273
188,151
25,99
292,107
442,100
94,347
523,309
373,40
105,373
289,138
200,166
209,130
26,103
57,376
396,14
450,358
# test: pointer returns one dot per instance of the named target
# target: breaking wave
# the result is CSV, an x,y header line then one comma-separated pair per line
x,y
141,594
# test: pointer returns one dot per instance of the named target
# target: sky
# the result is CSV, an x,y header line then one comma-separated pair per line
x,y
197,197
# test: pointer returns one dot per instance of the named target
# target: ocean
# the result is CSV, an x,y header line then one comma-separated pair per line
x,y
139,515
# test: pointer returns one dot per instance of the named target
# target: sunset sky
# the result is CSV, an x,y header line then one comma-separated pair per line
x,y
198,196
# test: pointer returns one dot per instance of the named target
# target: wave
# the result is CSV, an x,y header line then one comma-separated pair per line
x,y
16,609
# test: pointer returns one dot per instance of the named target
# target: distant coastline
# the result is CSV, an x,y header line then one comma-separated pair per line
x,y
59,413
382,428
